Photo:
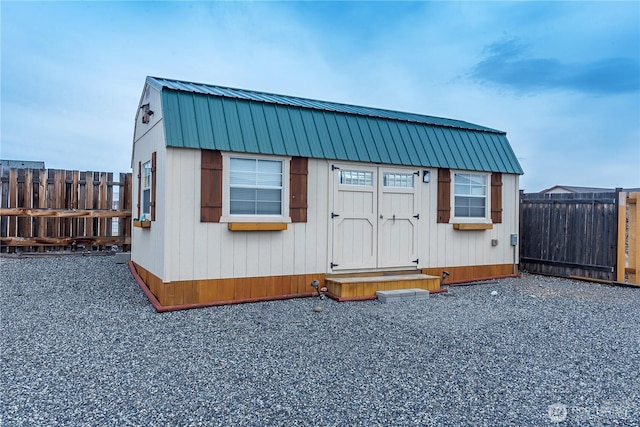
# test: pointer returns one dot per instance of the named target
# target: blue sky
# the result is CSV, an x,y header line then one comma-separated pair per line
x,y
561,78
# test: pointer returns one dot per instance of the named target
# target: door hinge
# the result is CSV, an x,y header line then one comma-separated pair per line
x,y
334,167
333,265
417,216
333,215
417,173
416,260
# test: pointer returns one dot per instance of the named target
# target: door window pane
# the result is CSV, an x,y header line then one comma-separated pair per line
x,y
397,180
361,178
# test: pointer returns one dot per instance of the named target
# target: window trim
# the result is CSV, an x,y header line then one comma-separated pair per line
x,y
487,203
226,203
143,213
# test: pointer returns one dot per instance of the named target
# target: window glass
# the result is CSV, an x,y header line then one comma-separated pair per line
x,y
398,180
255,187
470,194
361,178
146,188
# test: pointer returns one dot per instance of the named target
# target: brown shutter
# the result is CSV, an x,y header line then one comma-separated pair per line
x,y
496,197
444,195
298,189
139,186
211,186
153,186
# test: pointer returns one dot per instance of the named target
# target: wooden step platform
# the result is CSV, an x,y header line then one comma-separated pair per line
x,y
353,288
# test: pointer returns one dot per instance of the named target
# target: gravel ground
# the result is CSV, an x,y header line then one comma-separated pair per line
x,y
81,345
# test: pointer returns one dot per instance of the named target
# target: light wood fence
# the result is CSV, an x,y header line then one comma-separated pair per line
x,y
55,210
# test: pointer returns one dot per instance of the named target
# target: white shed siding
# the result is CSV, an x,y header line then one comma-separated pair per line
x,y
148,244
195,250
441,245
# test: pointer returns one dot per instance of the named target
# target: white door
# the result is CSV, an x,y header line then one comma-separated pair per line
x,y
354,218
374,218
397,218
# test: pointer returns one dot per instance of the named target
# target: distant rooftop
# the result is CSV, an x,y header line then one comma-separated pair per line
x,y
576,189
19,164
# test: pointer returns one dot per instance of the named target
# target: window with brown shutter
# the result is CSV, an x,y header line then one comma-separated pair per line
x,y
496,197
444,196
139,186
211,186
298,189
153,186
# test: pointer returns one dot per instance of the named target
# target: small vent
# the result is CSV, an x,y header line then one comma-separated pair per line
x,y
146,113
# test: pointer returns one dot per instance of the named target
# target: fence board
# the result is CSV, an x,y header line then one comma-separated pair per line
x,y
569,234
61,209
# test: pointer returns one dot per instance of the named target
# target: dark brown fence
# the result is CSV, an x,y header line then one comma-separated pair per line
x,y
63,210
570,234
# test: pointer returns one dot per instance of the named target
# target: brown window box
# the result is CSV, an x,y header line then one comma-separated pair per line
x,y
472,226
257,226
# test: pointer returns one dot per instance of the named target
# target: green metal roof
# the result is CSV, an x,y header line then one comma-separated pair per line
x,y
218,118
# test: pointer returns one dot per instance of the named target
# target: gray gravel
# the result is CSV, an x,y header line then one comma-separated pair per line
x,y
82,346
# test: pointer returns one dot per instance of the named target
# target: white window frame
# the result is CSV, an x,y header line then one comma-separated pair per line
x,y
145,183
226,202
486,219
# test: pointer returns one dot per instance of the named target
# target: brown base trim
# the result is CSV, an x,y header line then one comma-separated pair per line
x,y
150,296
182,295
473,273
289,286
461,282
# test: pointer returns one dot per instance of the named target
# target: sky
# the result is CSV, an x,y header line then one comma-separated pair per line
x,y
561,78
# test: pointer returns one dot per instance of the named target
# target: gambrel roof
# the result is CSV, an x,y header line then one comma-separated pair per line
x,y
203,116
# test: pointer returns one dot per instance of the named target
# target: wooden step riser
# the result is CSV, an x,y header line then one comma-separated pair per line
x,y
369,288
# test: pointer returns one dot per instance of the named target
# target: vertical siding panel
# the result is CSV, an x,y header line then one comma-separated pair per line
x,y
258,286
265,256
188,215
242,288
252,254
227,251
213,249
201,256
321,214
173,218
315,229
240,254
276,252
300,244
226,290
288,239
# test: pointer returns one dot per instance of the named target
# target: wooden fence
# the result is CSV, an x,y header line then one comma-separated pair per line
x,y
589,235
62,210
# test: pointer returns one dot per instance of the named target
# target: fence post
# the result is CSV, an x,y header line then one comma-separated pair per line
x,y
621,231
633,238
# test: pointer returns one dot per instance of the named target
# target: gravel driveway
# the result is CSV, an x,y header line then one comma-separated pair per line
x,y
81,345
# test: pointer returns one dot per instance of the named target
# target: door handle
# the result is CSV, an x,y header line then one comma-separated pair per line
x,y
381,217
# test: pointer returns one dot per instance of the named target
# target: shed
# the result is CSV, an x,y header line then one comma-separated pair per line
x,y
245,196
